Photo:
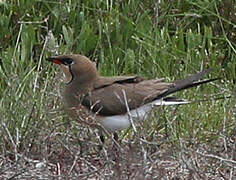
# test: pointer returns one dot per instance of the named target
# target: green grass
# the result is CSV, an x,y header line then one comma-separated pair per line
x,y
171,39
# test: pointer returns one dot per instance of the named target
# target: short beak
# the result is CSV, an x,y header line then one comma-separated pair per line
x,y
54,60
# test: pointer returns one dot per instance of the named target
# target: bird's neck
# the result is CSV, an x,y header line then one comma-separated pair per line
x,y
75,91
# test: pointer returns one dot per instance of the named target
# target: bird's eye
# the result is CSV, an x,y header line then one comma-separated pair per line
x,y
67,61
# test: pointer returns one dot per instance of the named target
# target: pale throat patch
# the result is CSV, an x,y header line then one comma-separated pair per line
x,y
66,73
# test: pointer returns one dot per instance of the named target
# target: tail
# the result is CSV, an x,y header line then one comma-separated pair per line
x,y
174,101
188,83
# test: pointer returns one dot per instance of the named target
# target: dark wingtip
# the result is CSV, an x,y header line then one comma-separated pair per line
x,y
190,81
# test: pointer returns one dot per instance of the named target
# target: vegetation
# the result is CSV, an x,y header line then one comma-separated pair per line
x,y
152,38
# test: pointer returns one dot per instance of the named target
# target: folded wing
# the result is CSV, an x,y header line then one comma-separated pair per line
x,y
108,98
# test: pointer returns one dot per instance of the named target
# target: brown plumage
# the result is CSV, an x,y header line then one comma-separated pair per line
x,y
104,96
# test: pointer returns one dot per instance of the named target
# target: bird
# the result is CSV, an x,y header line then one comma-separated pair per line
x,y
114,103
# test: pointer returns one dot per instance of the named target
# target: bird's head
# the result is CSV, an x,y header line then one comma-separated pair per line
x,y
77,68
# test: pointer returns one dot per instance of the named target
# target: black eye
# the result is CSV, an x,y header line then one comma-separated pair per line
x,y
67,61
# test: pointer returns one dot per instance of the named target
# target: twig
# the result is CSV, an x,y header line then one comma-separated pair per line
x,y
189,162
133,126
11,139
59,169
74,163
217,157
128,111
105,152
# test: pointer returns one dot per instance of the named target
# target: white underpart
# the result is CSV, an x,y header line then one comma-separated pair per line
x,y
120,122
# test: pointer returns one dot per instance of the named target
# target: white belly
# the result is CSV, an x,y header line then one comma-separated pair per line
x,y
120,122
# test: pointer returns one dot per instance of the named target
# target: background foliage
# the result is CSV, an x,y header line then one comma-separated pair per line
x,y
152,38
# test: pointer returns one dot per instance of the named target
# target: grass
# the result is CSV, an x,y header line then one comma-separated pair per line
x,y
167,39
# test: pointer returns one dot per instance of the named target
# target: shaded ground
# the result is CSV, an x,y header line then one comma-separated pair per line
x,y
60,156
